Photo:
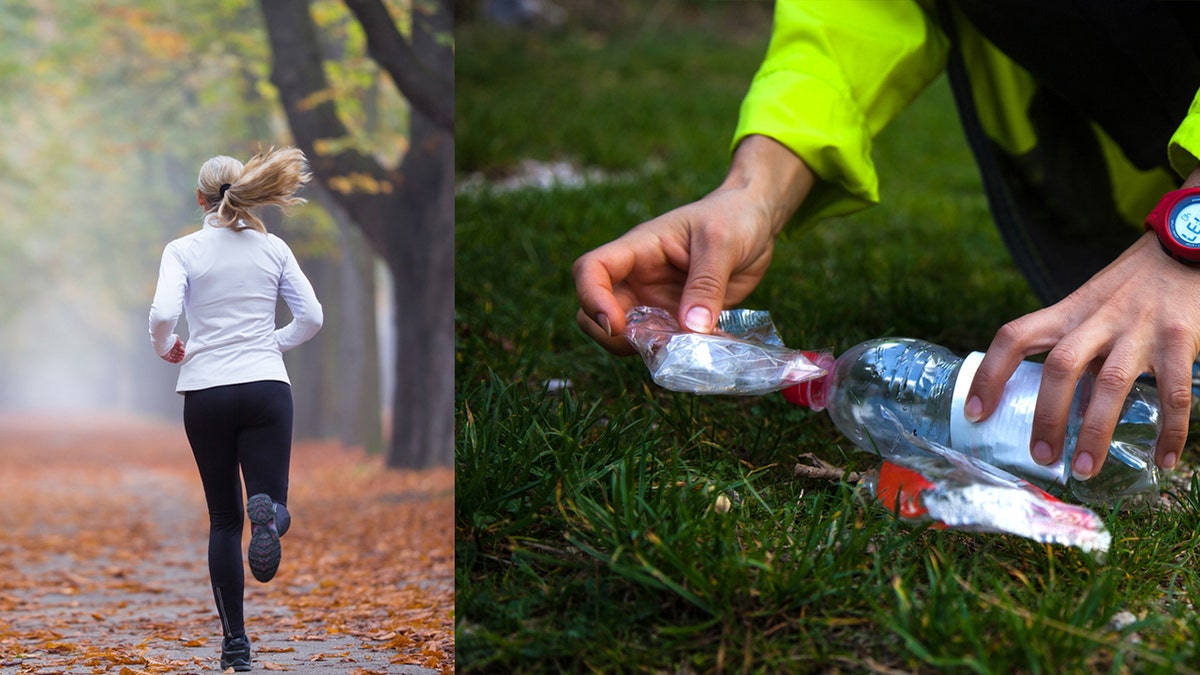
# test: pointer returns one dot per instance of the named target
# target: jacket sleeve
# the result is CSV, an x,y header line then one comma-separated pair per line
x,y
168,300
835,73
297,292
1184,149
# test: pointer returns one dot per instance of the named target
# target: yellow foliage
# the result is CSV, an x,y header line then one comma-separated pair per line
x,y
317,98
163,42
155,37
360,183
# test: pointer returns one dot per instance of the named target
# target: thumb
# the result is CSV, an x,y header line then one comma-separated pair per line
x,y
703,295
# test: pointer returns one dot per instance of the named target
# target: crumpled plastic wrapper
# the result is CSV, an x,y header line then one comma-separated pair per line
x,y
924,481
743,357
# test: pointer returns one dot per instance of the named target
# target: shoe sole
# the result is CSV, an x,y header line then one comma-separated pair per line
x,y
264,553
238,666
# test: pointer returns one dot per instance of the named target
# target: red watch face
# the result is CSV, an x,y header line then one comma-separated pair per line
x,y
1183,226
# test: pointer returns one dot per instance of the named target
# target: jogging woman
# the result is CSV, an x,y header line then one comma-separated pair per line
x,y
237,408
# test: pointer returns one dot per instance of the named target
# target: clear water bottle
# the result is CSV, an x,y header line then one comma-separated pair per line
x,y
924,388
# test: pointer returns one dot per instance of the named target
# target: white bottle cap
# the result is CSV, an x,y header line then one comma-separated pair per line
x,y
959,424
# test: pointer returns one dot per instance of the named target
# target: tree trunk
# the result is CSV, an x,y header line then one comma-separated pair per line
x,y
424,436
423,286
409,222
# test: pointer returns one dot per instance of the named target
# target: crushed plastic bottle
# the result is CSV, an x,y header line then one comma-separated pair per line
x,y
744,357
923,481
924,387
961,496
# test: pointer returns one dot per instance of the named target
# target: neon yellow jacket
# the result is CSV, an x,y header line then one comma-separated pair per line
x,y
837,72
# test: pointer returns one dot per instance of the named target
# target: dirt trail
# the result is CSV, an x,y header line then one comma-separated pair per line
x,y
102,559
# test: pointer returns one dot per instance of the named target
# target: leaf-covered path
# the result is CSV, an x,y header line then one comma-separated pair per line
x,y
102,559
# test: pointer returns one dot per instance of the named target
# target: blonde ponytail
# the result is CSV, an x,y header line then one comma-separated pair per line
x,y
270,178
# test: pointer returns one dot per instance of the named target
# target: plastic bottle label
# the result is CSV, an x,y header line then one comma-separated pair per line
x,y
1002,439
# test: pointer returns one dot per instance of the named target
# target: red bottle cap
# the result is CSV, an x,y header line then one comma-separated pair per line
x,y
811,393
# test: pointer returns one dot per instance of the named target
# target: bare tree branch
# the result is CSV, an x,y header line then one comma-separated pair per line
x,y
298,74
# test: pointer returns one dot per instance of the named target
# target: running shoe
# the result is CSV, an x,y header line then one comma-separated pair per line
x,y
264,551
235,653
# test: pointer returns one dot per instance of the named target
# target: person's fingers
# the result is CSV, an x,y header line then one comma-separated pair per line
x,y
1107,398
596,273
1175,396
713,259
1064,366
1016,340
177,352
616,344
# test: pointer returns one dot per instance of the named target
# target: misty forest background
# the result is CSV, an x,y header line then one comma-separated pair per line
x,y
110,108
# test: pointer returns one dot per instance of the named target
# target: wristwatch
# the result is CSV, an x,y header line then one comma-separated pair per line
x,y
1176,221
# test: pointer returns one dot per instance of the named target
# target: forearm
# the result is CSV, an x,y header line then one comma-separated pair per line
x,y
167,305
164,316
162,336
307,313
301,329
774,176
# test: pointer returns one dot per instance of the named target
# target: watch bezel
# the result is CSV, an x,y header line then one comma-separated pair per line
x,y
1184,247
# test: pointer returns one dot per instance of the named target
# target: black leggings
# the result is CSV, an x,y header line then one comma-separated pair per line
x,y
247,425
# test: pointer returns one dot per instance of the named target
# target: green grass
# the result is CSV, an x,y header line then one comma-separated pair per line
x,y
588,538
604,100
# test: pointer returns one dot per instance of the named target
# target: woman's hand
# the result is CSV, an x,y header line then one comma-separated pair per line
x,y
176,354
699,258
1140,314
